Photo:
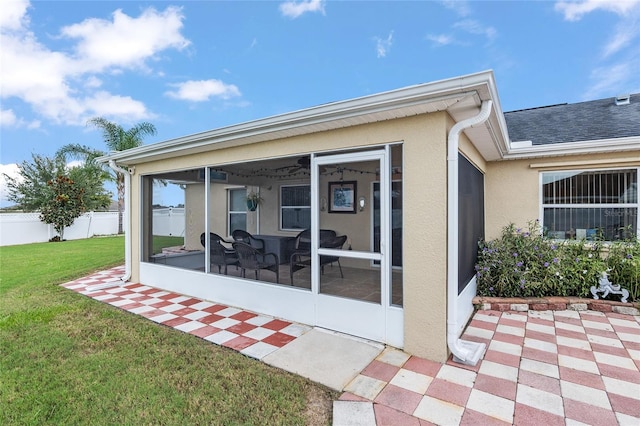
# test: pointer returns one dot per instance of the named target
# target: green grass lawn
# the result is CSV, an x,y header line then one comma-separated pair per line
x,y
161,241
68,359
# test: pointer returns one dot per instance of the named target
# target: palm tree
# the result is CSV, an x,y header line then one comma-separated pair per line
x,y
117,139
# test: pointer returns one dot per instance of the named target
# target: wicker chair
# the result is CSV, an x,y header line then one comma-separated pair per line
x,y
336,243
301,257
247,238
219,254
251,258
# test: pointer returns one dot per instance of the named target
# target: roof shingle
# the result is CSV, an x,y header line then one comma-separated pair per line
x,y
583,121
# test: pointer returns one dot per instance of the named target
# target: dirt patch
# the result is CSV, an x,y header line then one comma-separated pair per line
x,y
319,405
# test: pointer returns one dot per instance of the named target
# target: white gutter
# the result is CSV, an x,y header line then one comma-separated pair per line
x,y
127,231
463,351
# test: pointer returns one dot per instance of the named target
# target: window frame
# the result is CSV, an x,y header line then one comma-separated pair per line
x,y
543,206
235,212
281,207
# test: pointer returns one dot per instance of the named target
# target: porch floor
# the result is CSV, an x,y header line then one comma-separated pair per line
x,y
547,367
361,284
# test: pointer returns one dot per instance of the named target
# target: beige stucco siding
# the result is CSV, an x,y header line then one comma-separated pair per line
x,y
467,149
513,187
194,220
425,233
424,217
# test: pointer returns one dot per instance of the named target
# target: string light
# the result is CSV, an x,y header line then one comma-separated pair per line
x,y
285,172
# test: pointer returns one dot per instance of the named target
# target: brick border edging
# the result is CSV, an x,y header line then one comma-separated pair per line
x,y
503,304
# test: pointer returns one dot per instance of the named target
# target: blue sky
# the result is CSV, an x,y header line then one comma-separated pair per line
x,y
191,66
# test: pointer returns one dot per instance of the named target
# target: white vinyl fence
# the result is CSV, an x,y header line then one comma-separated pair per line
x,y
169,221
25,228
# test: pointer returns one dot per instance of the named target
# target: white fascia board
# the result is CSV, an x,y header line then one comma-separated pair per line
x,y
521,144
631,143
482,83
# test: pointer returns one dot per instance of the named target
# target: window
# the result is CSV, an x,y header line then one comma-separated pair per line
x,y
590,205
295,207
237,209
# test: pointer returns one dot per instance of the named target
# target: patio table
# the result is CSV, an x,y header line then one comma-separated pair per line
x,y
281,245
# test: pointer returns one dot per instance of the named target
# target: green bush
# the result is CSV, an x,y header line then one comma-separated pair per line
x,y
524,263
624,261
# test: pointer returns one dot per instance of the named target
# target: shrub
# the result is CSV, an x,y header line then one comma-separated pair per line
x,y
624,262
527,264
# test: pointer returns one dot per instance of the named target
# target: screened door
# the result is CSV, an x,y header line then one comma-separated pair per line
x,y
351,274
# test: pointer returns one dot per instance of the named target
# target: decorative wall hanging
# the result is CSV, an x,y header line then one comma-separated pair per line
x,y
343,196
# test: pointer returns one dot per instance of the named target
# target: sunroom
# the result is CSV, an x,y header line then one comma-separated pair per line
x,y
357,229
217,201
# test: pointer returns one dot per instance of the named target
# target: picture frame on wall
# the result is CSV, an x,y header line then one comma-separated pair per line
x,y
343,196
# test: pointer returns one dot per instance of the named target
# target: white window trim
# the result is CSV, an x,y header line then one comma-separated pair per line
x,y
229,211
543,206
281,207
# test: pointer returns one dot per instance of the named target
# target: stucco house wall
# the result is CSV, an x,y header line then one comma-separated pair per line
x,y
512,187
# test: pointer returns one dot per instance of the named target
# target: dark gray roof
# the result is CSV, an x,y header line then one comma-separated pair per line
x,y
583,121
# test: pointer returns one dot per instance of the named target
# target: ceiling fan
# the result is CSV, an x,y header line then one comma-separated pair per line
x,y
303,163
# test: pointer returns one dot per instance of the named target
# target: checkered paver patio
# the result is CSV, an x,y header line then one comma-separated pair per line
x,y
251,334
540,368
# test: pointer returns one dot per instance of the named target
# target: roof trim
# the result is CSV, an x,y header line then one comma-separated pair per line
x,y
631,143
442,95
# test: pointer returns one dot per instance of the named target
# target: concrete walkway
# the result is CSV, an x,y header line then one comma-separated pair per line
x,y
548,367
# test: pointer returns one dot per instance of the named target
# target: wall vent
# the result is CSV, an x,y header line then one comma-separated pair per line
x,y
623,99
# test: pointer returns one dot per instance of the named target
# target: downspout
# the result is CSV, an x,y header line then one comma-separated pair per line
x,y
463,351
127,231
126,218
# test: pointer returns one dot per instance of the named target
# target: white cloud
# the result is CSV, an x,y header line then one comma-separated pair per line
x,y
459,6
203,90
472,26
440,39
619,40
9,119
476,28
625,31
93,82
10,170
574,11
47,80
383,45
293,9
14,15
125,42
619,73
610,80
104,104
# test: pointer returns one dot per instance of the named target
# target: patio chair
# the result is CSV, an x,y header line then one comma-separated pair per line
x,y
301,256
219,254
303,240
247,238
251,258
336,243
